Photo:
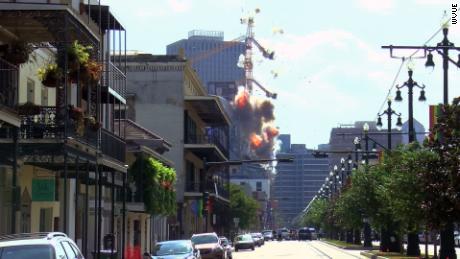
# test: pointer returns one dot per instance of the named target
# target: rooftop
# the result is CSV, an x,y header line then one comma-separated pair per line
x,y
147,57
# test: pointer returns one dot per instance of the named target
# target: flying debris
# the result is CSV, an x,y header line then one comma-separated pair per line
x,y
277,30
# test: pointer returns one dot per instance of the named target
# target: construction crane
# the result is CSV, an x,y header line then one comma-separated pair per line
x,y
246,61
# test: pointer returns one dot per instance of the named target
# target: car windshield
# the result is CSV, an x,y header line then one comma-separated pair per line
x,y
204,239
27,252
244,238
172,248
267,232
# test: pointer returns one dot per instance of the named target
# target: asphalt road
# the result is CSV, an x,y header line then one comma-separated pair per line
x,y
296,250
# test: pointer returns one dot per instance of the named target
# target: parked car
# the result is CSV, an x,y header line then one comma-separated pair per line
x,y
227,246
52,245
209,246
268,235
304,234
284,232
457,240
244,242
258,239
175,249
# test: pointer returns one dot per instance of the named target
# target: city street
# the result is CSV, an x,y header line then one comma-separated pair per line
x,y
296,250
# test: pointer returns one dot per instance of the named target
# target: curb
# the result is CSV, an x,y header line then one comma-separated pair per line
x,y
372,256
347,247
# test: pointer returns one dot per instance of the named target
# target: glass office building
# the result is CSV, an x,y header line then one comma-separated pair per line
x,y
214,59
296,183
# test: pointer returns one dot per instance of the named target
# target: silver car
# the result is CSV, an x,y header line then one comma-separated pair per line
x,y
176,249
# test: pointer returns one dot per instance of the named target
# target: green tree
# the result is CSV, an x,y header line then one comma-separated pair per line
x,y
315,214
441,180
156,182
243,207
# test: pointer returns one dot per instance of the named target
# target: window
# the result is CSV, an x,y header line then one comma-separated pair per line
x,y
44,96
68,250
30,90
259,186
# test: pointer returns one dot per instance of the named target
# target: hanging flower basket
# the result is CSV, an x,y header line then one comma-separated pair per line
x,y
92,123
76,113
77,55
50,75
28,108
18,52
93,70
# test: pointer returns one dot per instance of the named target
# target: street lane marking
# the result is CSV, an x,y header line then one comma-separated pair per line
x,y
341,250
319,252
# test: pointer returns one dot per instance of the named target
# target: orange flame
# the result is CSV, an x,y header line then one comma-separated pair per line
x,y
271,132
256,141
242,99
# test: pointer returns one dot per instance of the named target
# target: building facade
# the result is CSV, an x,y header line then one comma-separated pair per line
x,y
295,184
258,180
167,97
62,161
341,141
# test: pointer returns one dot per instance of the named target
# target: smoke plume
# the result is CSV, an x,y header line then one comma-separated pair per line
x,y
256,119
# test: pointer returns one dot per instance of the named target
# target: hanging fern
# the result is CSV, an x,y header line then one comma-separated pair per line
x,y
157,182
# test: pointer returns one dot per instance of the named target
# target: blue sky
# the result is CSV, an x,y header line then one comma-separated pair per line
x,y
329,59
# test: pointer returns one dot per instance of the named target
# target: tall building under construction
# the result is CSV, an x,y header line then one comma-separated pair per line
x,y
214,59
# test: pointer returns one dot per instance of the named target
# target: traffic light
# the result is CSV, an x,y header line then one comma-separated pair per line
x,y
205,203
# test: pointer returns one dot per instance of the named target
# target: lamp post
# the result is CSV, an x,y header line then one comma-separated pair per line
x,y
410,84
367,227
389,112
442,48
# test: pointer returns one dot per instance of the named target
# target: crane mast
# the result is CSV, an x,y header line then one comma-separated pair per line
x,y
250,42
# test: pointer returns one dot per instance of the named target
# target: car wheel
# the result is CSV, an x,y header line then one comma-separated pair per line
x,y
252,248
236,249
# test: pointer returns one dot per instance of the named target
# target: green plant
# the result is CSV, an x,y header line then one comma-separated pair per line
x,y
50,75
156,181
92,70
78,54
92,123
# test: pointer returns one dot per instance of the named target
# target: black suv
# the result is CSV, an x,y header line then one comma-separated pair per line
x,y
304,234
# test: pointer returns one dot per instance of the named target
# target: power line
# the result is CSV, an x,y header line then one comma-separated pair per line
x,y
403,60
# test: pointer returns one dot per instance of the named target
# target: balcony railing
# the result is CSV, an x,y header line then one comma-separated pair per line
x,y
193,187
112,145
9,77
208,139
114,78
45,125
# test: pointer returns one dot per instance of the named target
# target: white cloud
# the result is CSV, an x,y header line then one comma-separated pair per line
x,y
180,6
435,2
374,6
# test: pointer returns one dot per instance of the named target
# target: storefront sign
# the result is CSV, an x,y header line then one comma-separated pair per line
x,y
43,189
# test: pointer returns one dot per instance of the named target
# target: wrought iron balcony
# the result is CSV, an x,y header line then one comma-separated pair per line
x,y
114,78
194,186
212,139
9,78
112,145
43,123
